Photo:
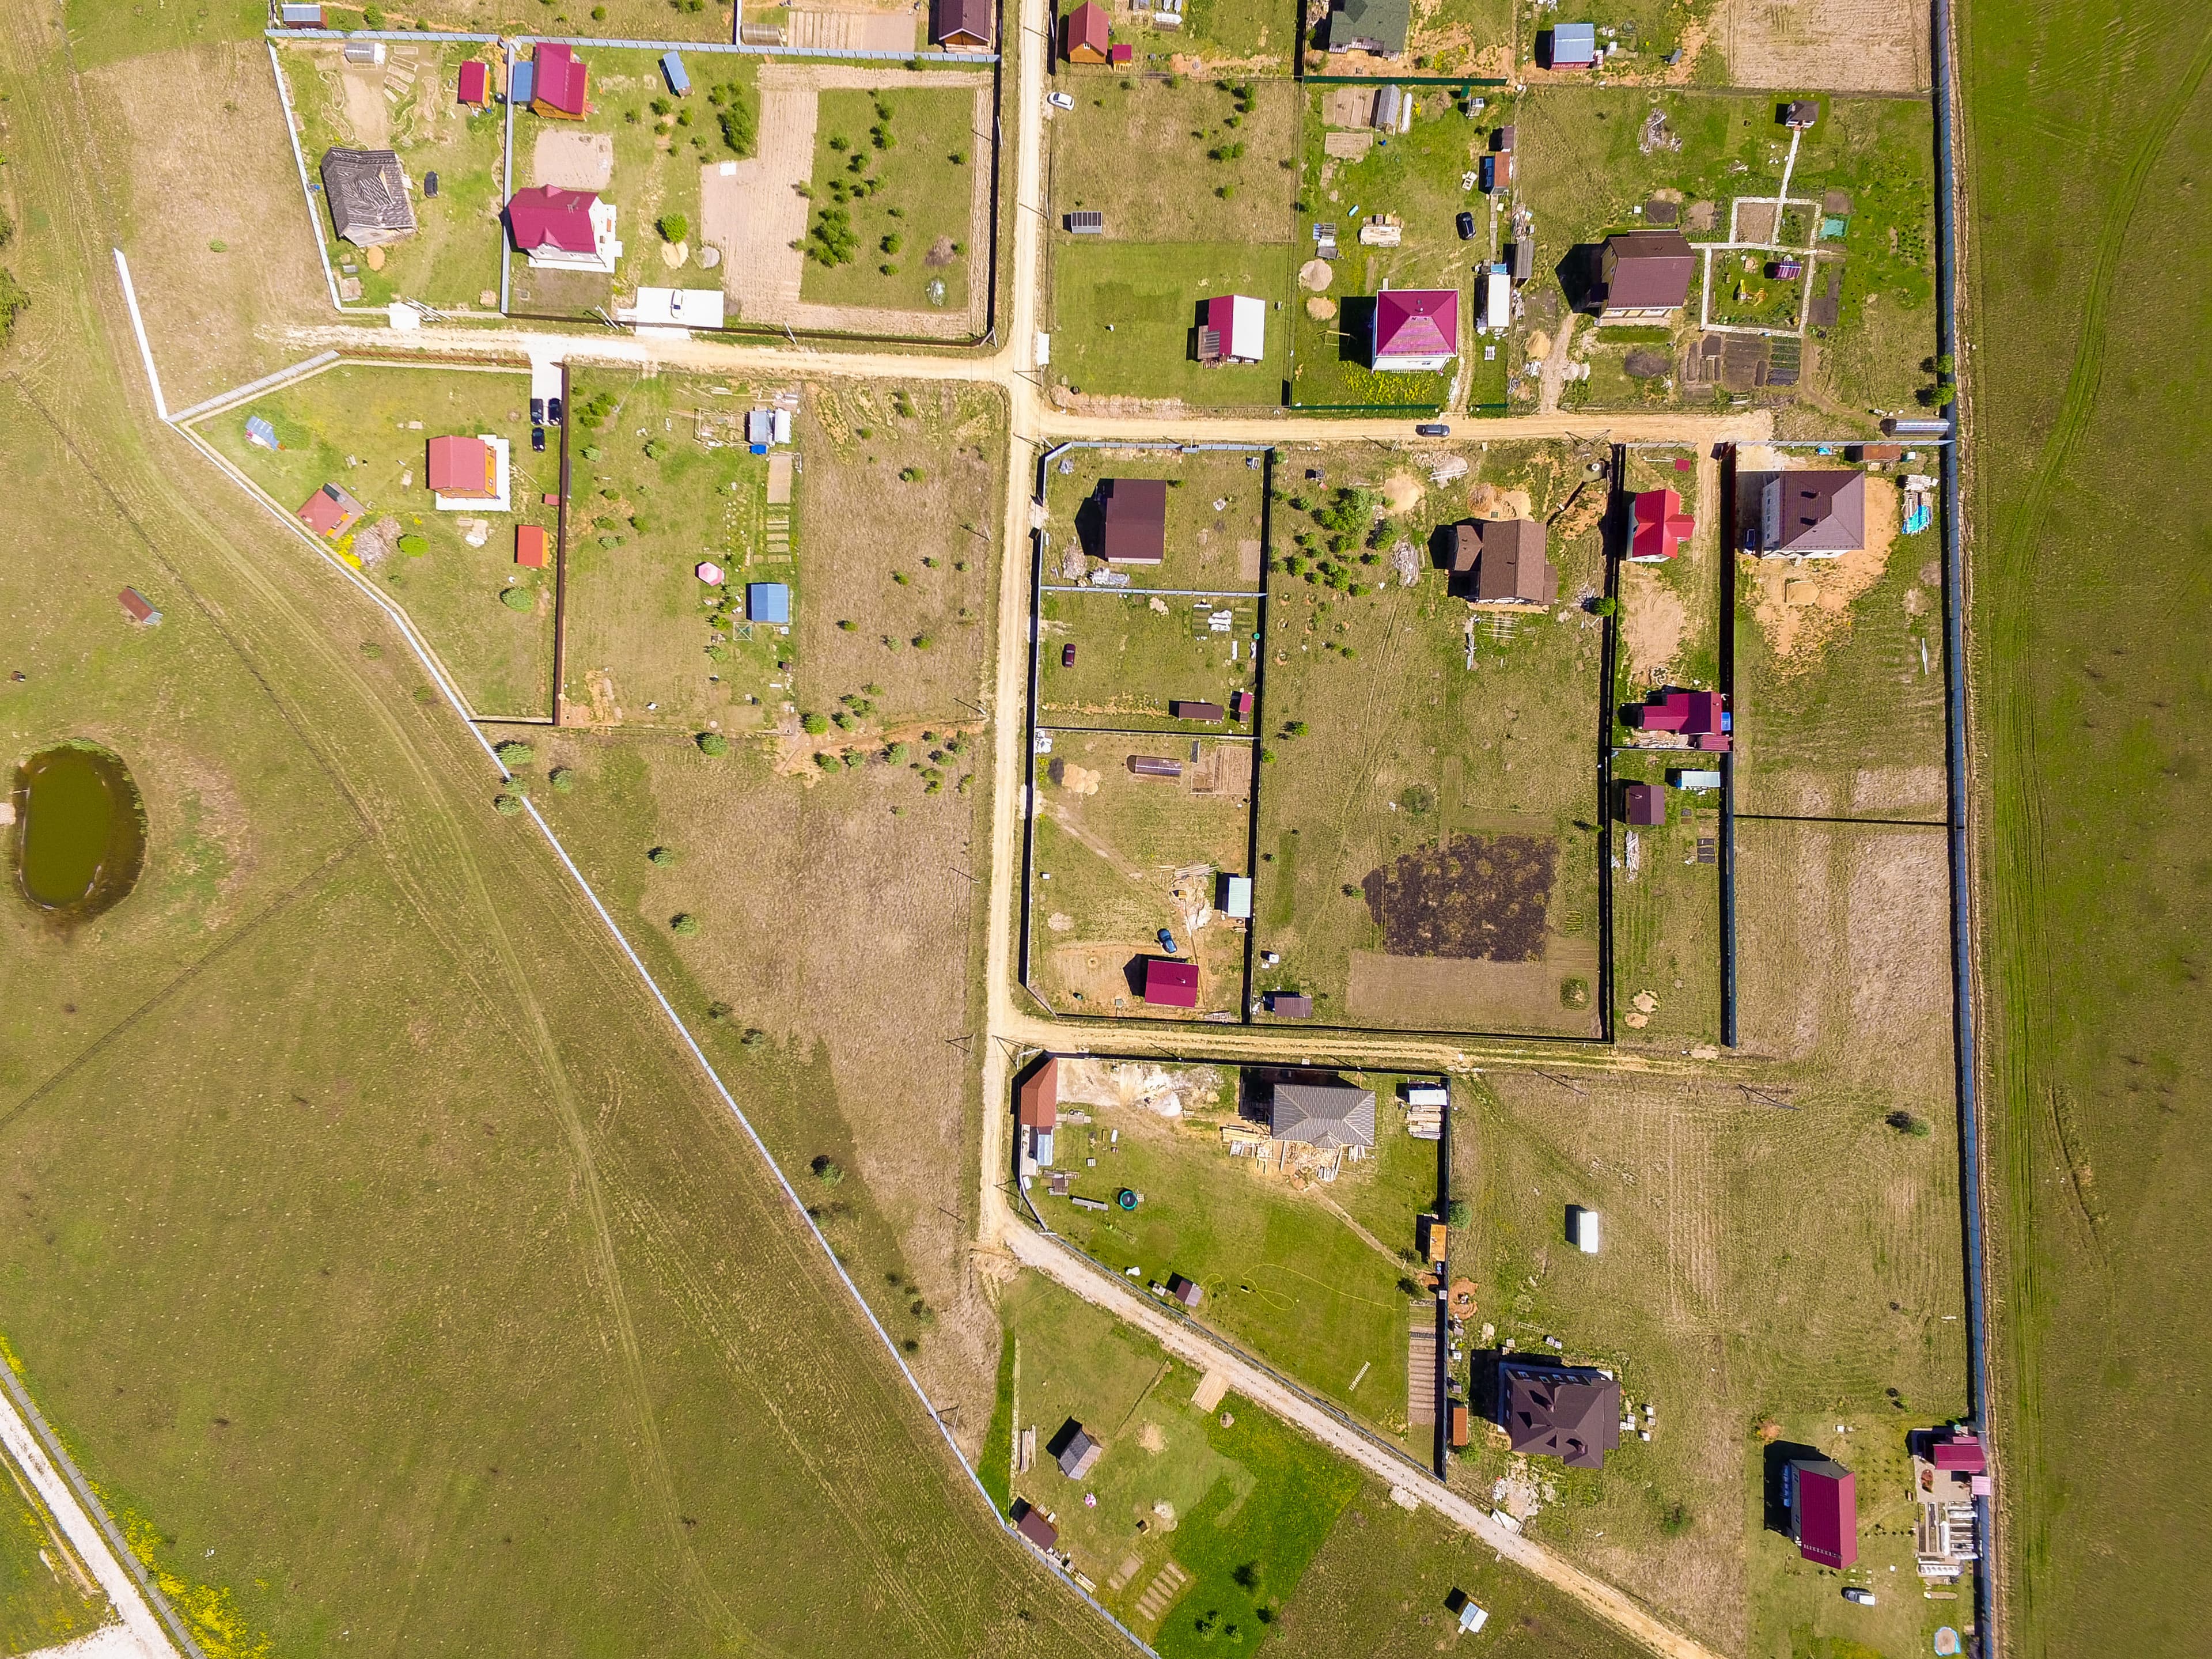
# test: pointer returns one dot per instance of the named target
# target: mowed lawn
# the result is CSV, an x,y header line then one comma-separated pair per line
x,y
1387,742
355,425
1125,304
1108,846
1284,1275
1139,654
1215,522
1797,1268
908,218
410,104
1250,1498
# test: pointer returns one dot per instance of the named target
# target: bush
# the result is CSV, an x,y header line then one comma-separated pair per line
x,y
911,474
897,754
814,724
827,1169
563,780
831,241
507,805
654,449
1418,798
513,753
713,743
737,120
1458,1213
1907,1124
14,300
674,227
683,923
518,598
663,856
661,106
414,546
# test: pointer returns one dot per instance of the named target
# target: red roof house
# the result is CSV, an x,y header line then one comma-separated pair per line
x,y
331,510
1962,1452
1240,705
1692,713
1036,1101
558,90
1170,984
462,467
475,83
1416,329
529,545
964,25
546,217
1824,1511
1084,35
1657,526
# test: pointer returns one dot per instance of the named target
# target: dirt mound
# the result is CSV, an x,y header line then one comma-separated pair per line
x,y
940,254
1642,364
1482,898
1320,310
1316,274
1402,492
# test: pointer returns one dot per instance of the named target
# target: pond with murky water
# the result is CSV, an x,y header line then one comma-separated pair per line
x,y
80,830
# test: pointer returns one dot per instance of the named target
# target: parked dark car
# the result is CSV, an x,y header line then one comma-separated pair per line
x,y
1167,941
553,411
429,184
538,411
537,439
1067,654
1467,227
1432,429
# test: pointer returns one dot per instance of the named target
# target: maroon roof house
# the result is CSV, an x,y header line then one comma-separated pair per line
x,y
1209,712
1822,1498
1693,714
1646,274
1032,1525
1645,805
1291,1004
1501,561
964,25
1813,513
1170,984
1133,516
1571,1413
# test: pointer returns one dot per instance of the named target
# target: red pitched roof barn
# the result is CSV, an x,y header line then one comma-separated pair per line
x,y
476,82
1657,526
1416,329
1135,519
558,90
1036,1101
330,512
530,544
462,466
545,216
1170,984
1824,1511
1083,34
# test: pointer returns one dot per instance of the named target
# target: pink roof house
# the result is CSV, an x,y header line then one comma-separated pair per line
x,y
1416,330
1657,526
1170,984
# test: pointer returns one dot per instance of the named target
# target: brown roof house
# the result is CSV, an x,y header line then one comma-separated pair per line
x,y
1074,1451
1814,513
1037,1110
1501,561
1646,274
366,194
964,25
1133,519
1571,1413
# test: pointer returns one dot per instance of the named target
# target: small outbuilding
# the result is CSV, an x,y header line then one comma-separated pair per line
x,y
140,609
300,17
1133,519
963,25
1032,1525
1643,805
260,433
1155,766
1075,1451
1037,1110
1573,45
1822,1499
1185,1291
533,548
672,71
1289,1005
474,88
769,602
708,572
1170,983
1241,704
1086,221
1210,713
330,512
1237,898
1234,331
1582,1229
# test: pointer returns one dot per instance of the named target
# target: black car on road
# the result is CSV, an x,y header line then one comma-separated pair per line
x,y
1467,227
1432,429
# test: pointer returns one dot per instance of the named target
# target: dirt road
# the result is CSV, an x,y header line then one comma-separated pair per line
x,y
1187,1343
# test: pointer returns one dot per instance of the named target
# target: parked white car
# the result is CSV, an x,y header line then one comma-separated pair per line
x,y
1060,101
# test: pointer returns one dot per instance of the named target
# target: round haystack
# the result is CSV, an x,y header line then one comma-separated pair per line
x,y
373,257
1319,309
673,254
1316,274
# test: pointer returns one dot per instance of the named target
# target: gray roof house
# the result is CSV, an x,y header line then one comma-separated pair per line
x,y
1075,1452
1323,1115
1811,513
366,194
1376,26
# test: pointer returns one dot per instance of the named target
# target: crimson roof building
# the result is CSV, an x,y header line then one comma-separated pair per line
x,y
1416,330
1822,1499
1170,984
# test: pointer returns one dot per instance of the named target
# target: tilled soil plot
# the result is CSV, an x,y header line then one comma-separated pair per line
x,y
1481,897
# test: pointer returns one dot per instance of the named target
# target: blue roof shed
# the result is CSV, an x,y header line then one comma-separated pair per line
x,y
768,602
522,83
259,431
672,67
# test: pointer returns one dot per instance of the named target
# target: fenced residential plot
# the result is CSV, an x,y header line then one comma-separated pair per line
x,y
450,154
1281,1208
1428,823
1779,1264
1471,38
1135,836
1818,305
365,429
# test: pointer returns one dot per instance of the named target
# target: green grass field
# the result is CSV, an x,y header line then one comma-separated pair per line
x,y
453,258
46,1596
2087,536
502,658
907,219
1223,143
1249,1500
447,1306
1137,655
1285,1274
1428,748
1123,313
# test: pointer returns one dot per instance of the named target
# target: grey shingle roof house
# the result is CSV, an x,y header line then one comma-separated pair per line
x,y
1324,1114
366,194
1376,26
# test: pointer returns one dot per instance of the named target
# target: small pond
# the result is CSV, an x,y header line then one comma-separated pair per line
x,y
80,830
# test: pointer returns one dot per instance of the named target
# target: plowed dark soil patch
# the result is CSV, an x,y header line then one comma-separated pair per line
x,y
1479,898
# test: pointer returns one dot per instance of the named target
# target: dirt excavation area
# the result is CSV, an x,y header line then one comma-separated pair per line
x,y
1843,45
573,161
1801,601
752,210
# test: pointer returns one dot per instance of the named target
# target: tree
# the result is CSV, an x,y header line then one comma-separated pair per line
x,y
662,856
814,724
827,1169
518,598
683,923
1458,1213
507,805
563,780
513,753
674,227
713,743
